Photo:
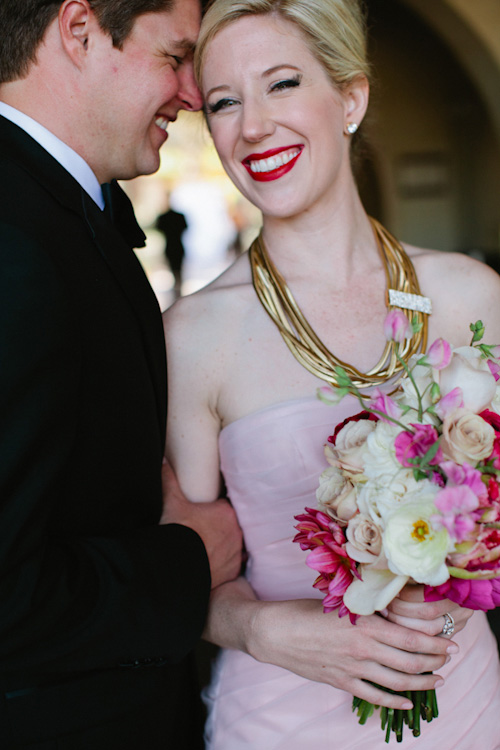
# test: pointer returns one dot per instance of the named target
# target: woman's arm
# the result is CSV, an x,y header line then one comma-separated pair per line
x,y
192,444
298,636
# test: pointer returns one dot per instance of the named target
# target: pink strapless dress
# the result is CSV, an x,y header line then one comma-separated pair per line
x,y
271,461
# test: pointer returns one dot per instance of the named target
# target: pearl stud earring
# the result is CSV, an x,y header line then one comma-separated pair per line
x,y
351,128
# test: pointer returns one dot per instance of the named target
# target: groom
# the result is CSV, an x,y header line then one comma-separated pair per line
x,y
100,604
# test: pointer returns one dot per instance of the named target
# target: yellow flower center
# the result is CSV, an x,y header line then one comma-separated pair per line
x,y
420,530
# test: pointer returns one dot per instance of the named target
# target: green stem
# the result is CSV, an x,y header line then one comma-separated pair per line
x,y
412,380
383,415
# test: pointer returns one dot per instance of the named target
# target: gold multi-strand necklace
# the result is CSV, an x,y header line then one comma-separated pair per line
x,y
402,291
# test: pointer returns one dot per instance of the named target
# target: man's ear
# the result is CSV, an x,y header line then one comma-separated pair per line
x,y
76,19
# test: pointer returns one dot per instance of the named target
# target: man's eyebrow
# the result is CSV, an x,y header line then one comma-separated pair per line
x,y
184,47
187,45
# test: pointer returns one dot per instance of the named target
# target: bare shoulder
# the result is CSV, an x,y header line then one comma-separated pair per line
x,y
462,290
201,321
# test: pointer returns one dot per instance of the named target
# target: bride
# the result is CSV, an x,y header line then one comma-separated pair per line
x,y
285,84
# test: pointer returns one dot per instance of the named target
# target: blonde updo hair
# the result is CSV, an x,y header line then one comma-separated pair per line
x,y
334,30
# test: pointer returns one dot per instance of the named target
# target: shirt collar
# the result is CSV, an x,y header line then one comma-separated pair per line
x,y
69,159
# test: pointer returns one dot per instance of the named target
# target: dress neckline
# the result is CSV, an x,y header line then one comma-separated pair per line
x,y
277,406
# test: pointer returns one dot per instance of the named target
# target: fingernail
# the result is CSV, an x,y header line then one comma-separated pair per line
x,y
439,683
384,612
407,705
452,649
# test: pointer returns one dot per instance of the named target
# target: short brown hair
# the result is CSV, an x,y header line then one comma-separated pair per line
x,y
23,25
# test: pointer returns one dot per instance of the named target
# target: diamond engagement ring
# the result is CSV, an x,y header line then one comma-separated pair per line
x,y
449,625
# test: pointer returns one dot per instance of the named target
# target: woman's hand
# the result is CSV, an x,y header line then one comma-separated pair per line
x,y
298,636
410,610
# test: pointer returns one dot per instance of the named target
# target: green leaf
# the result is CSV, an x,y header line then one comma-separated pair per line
x,y
477,329
343,378
435,393
416,326
431,453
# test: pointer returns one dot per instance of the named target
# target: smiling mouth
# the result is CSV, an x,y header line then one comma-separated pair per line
x,y
162,122
273,164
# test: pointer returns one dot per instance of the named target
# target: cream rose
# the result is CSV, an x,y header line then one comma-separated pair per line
x,y
470,372
364,539
336,495
350,444
466,437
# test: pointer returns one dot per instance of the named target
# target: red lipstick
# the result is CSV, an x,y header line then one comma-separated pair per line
x,y
272,174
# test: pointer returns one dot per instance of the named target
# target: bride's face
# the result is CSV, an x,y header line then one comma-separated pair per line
x,y
276,119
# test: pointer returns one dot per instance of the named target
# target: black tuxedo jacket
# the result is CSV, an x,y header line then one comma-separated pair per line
x,y
99,605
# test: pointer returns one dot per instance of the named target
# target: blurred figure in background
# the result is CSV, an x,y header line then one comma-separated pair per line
x,y
172,225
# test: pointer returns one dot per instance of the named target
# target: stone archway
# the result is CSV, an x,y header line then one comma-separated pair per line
x,y
435,142
471,30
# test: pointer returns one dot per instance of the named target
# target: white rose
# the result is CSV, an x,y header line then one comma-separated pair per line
x,y
413,547
379,455
470,372
466,437
379,497
336,495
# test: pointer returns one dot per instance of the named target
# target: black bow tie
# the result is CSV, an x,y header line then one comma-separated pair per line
x,y
120,212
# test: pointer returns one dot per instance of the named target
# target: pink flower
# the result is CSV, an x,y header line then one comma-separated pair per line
x,y
455,504
334,599
315,527
439,354
386,405
493,489
326,539
457,475
453,400
481,556
397,327
494,369
470,593
494,420
411,445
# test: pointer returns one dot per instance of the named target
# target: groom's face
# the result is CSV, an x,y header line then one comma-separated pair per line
x,y
138,90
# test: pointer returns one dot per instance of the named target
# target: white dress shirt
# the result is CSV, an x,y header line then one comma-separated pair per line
x,y
69,159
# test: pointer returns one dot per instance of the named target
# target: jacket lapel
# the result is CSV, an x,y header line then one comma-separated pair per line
x,y
119,256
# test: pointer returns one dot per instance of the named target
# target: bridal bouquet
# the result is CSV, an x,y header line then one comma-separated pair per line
x,y
412,493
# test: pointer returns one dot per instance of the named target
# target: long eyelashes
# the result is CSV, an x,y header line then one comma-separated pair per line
x,y
287,83
211,109
226,103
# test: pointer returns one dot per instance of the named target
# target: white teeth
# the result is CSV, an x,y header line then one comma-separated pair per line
x,y
273,162
162,123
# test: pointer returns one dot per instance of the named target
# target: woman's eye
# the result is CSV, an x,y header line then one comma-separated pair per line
x,y
220,105
287,83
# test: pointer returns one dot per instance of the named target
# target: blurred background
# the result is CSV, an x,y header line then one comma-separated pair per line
x,y
428,168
